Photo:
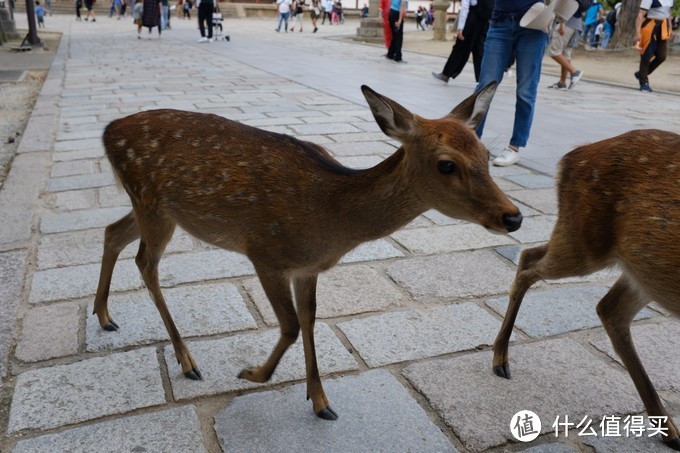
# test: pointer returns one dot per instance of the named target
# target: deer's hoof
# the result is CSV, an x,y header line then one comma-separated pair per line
x,y
111,326
674,443
327,414
502,371
246,373
194,375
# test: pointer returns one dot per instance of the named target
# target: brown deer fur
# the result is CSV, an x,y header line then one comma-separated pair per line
x,y
287,204
619,204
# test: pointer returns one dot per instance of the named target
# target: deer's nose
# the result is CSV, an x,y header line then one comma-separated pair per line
x,y
512,222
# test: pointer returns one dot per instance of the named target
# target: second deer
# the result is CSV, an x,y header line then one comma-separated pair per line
x,y
618,204
286,204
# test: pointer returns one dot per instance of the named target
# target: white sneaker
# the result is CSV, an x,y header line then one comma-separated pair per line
x,y
203,39
507,158
210,40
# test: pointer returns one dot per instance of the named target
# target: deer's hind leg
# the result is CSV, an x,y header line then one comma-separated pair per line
x,y
116,237
277,288
156,231
616,311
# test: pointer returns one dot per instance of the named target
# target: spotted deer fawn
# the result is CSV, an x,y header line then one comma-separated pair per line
x,y
619,204
286,204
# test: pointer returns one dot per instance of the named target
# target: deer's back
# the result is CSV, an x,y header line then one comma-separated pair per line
x,y
224,182
619,200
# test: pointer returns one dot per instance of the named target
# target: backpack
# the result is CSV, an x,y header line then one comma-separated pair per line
x,y
583,5
611,17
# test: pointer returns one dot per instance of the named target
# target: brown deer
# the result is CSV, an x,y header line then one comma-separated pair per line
x,y
619,204
287,204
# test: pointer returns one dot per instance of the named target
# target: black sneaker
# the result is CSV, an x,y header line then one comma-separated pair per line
x,y
645,87
440,76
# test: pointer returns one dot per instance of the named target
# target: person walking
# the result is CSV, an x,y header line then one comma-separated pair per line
x,y
565,37
594,15
314,14
507,40
205,13
396,18
79,5
653,30
473,23
284,13
151,16
89,6
137,12
384,14
298,12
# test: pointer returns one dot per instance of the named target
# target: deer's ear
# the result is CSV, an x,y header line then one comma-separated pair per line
x,y
394,120
472,110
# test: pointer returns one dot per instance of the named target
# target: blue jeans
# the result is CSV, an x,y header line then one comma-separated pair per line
x,y
506,42
589,34
283,17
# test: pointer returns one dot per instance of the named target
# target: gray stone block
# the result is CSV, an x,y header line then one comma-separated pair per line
x,y
628,443
71,168
544,200
535,229
551,448
79,145
220,361
12,268
67,394
70,200
558,310
84,247
445,239
196,310
76,182
343,291
653,343
456,275
551,378
375,414
81,220
173,430
48,285
371,251
532,181
49,332
38,134
416,334
440,219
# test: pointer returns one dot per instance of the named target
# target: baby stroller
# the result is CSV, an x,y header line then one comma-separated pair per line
x,y
217,26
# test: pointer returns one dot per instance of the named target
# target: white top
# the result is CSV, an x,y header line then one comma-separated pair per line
x,y
284,5
463,13
662,12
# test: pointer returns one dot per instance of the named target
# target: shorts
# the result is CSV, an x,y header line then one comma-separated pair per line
x,y
559,44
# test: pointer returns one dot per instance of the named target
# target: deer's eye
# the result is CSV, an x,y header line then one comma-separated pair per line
x,y
446,167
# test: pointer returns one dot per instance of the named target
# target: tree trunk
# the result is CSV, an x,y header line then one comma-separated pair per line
x,y
624,35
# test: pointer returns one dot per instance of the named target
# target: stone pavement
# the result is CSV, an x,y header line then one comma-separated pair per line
x,y
405,322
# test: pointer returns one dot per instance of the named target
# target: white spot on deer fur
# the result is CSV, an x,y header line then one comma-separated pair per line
x,y
225,175
643,159
153,143
196,143
121,143
130,153
178,134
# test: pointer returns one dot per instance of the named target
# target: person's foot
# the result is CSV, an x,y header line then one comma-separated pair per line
x,y
558,86
506,158
210,40
440,76
575,77
203,39
644,86
277,30
315,29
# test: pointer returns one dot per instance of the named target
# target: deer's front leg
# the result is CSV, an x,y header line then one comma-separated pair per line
x,y
526,276
305,296
277,289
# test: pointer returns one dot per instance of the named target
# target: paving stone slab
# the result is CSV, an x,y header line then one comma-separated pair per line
x,y
196,310
446,239
76,182
66,394
172,430
38,134
653,343
440,219
464,274
420,333
372,250
544,200
81,220
342,291
551,448
49,284
84,247
70,200
551,378
220,361
628,444
12,267
49,332
375,413
535,229
532,181
558,310
75,167
79,145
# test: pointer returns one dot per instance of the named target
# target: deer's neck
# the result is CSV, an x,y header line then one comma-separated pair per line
x,y
378,201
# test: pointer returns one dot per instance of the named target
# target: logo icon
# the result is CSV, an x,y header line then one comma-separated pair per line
x,y
525,426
